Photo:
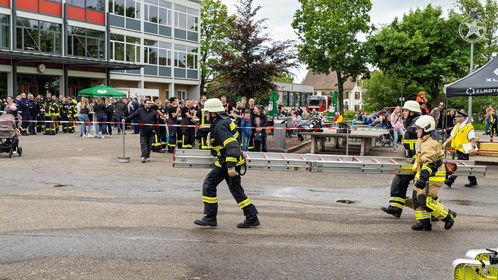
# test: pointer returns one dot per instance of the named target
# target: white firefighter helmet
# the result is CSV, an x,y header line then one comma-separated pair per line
x,y
427,123
412,106
213,105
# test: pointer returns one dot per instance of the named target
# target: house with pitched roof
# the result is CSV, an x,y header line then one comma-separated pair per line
x,y
327,84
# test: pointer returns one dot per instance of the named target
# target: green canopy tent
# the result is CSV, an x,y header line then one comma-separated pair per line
x,y
101,91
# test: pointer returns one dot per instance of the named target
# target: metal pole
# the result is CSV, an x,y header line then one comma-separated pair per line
x,y
347,142
124,158
471,70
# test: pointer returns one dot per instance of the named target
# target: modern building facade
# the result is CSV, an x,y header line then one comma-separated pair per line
x,y
327,84
291,94
64,46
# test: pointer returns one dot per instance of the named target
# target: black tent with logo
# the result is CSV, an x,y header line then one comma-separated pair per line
x,y
482,82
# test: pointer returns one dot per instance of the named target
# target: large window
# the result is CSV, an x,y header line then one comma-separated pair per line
x,y
85,42
157,53
128,8
96,5
157,11
38,36
4,31
186,18
125,48
186,57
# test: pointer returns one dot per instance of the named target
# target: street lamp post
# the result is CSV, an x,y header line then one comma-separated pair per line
x,y
475,29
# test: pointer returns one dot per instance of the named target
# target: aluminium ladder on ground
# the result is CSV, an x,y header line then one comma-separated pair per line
x,y
188,158
479,264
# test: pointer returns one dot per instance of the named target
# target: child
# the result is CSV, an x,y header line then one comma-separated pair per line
x,y
258,135
246,130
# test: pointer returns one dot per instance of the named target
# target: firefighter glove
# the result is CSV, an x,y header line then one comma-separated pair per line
x,y
421,184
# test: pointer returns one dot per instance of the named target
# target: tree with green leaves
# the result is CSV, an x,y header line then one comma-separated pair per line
x,y
328,31
423,47
382,90
252,59
489,14
214,17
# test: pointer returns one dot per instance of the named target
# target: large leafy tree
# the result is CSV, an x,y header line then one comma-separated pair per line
x,y
423,47
382,90
328,31
489,14
252,59
214,17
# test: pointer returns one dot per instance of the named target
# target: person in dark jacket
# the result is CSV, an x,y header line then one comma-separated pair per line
x,y
258,113
400,183
101,113
148,117
109,109
34,110
24,109
225,146
120,110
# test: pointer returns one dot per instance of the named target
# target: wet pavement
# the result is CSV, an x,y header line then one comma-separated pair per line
x,y
69,210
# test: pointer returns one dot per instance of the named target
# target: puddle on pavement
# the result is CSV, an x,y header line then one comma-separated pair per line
x,y
465,202
346,201
61,185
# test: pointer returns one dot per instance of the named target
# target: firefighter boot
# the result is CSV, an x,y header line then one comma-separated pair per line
x,y
396,212
206,221
449,220
422,225
249,222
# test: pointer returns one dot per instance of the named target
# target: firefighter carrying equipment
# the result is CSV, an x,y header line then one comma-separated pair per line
x,y
429,178
223,139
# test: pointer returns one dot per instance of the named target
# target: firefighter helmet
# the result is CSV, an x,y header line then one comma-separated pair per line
x,y
213,105
412,106
427,123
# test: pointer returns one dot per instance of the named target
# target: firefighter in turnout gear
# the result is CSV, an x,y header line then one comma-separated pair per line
x,y
73,115
400,183
65,115
431,173
173,112
160,131
223,140
51,114
188,118
204,126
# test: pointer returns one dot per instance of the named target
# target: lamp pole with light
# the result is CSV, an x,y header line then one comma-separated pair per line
x,y
476,29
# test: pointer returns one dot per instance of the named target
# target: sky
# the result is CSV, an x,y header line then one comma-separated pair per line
x,y
280,14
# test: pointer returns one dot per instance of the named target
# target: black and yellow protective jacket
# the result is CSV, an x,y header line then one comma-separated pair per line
x,y
224,143
410,135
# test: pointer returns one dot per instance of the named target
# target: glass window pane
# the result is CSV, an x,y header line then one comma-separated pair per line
x,y
47,42
31,40
153,56
163,16
97,5
119,51
76,3
130,39
119,7
20,37
153,17
101,49
130,8
92,48
163,58
182,21
165,4
5,37
130,53
117,37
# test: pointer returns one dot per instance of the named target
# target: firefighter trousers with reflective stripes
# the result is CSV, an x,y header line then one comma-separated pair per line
x,y
399,187
188,137
202,136
209,192
427,203
172,136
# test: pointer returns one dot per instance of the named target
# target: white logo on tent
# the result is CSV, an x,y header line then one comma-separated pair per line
x,y
470,91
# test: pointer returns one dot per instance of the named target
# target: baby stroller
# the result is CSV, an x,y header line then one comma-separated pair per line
x,y
9,141
309,126
385,139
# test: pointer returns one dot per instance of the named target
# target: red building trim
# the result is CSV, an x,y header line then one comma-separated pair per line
x,y
75,13
95,17
4,61
30,5
50,8
5,3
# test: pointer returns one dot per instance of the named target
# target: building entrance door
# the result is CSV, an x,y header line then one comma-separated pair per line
x,y
37,84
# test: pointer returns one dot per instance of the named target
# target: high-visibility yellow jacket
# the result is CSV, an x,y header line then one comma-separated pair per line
x,y
461,136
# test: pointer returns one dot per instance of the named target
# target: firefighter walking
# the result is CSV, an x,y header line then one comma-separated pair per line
x,y
400,183
223,140
430,176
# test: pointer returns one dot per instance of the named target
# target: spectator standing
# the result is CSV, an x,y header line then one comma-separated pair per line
x,y
258,113
133,106
258,134
488,120
246,130
146,116
83,108
424,109
438,114
120,109
24,108
397,125
101,113
33,109
109,109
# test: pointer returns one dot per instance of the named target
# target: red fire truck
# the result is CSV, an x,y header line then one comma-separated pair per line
x,y
320,103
